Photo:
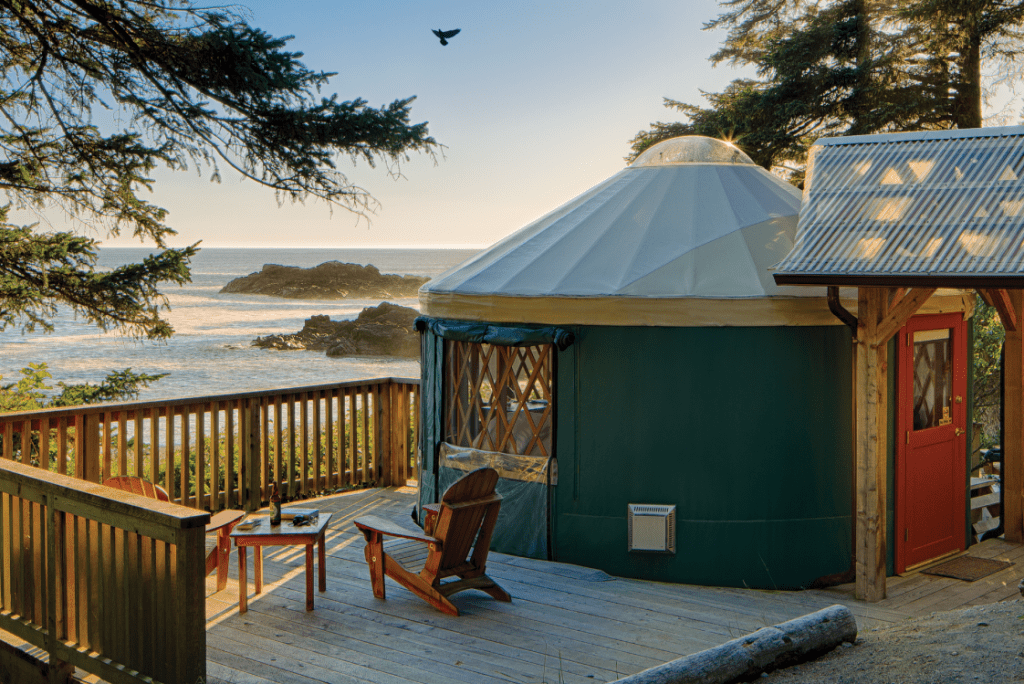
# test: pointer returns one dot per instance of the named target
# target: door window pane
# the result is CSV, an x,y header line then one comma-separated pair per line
x,y
933,379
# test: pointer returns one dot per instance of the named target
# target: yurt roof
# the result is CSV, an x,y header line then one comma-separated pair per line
x,y
685,235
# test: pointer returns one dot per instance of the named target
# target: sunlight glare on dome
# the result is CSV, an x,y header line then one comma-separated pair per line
x,y
692,149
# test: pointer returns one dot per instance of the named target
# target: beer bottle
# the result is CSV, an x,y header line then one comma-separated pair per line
x,y
275,505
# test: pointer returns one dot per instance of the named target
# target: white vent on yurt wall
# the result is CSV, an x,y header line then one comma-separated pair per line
x,y
652,528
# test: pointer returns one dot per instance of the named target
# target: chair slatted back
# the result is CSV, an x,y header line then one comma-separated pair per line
x,y
136,485
465,507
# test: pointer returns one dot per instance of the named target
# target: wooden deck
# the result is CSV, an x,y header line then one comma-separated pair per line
x,y
565,623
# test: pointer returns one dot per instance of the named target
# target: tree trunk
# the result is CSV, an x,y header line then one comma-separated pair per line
x,y
967,101
861,96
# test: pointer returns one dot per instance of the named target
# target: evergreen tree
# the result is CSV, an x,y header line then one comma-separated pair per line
x,y
190,86
847,67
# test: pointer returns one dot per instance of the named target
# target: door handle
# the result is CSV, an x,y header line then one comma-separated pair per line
x,y
959,431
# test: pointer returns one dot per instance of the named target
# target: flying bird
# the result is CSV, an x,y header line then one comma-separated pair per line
x,y
444,35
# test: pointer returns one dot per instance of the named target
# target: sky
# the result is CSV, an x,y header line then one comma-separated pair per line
x,y
535,102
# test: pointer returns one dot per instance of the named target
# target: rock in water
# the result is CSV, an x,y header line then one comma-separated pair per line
x,y
329,280
384,330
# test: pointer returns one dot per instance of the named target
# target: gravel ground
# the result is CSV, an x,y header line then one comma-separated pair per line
x,y
980,644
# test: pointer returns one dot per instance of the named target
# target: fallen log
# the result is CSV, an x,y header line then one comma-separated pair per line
x,y
767,649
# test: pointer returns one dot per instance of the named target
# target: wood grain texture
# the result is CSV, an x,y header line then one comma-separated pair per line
x,y
870,444
1013,428
564,623
466,515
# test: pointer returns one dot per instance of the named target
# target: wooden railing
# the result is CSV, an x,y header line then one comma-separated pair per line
x,y
223,451
102,580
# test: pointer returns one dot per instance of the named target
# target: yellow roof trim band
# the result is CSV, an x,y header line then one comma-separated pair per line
x,y
667,312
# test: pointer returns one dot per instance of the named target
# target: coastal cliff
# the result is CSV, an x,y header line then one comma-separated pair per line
x,y
329,280
384,330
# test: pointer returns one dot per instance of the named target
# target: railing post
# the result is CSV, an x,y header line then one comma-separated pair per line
x,y
87,456
252,461
189,640
58,671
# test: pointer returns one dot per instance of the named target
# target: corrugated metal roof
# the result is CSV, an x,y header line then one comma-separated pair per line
x,y
936,207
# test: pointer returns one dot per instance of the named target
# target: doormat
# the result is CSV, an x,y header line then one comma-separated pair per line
x,y
967,568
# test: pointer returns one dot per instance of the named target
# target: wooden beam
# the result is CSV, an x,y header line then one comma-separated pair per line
x,y
1000,299
1013,427
901,312
895,295
871,448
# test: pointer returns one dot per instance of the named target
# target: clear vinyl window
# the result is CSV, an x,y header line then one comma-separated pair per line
x,y
499,398
933,378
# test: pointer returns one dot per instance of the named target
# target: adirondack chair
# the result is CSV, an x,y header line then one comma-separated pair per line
x,y
222,523
458,536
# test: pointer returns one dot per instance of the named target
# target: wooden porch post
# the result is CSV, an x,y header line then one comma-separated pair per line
x,y
872,417
1013,428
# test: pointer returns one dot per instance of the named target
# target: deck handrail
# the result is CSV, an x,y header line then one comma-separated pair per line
x,y
102,580
223,451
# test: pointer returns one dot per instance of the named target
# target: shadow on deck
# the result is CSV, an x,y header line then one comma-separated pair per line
x,y
565,623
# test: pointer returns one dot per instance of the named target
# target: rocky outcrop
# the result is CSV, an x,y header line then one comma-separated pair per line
x,y
329,280
385,330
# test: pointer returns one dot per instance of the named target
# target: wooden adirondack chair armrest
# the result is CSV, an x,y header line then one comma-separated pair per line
x,y
430,513
374,523
224,518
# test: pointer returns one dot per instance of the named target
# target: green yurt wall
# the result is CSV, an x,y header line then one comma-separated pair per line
x,y
747,431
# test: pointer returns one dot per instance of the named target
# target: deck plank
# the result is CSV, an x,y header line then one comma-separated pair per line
x,y
565,623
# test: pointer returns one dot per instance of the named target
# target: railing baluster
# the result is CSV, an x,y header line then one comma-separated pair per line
x,y
186,457
154,445
16,570
292,450
170,458
329,430
304,426
318,442
279,468
44,443
216,500
122,442
265,406
140,470
107,468
353,434
229,428
344,440
26,441
366,435
201,458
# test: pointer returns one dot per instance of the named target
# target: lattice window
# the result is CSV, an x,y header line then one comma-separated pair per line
x,y
499,398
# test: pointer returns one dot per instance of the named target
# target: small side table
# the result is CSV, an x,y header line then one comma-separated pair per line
x,y
261,534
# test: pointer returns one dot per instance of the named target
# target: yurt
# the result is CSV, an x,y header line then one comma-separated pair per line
x,y
656,405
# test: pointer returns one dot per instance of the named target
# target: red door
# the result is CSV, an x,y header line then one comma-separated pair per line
x,y
931,454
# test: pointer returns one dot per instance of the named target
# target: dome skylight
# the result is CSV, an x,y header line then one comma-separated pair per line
x,y
692,149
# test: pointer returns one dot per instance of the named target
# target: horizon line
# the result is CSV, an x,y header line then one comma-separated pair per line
x,y
419,246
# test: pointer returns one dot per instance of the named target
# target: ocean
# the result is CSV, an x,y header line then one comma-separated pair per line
x,y
210,351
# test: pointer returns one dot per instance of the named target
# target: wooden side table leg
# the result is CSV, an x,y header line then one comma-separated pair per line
x,y
243,582
257,571
323,566
309,576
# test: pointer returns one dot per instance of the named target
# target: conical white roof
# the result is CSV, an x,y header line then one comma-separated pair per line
x,y
691,222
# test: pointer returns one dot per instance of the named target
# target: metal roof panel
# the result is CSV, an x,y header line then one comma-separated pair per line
x,y
910,205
